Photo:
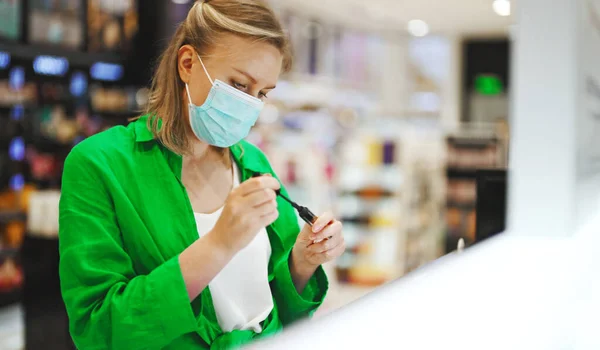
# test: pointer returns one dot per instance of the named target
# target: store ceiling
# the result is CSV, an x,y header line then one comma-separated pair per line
x,y
465,17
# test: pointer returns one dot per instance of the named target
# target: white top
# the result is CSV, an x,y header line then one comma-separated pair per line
x,y
240,292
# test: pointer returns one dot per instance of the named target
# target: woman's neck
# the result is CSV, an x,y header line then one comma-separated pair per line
x,y
205,155
207,175
200,150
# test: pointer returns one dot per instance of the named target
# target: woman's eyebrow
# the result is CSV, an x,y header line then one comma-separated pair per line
x,y
252,78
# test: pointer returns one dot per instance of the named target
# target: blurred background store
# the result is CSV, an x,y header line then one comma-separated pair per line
x,y
390,111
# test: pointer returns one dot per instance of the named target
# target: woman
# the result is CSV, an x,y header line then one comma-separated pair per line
x,y
167,240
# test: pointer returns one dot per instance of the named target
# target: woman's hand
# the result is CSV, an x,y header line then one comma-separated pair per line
x,y
249,207
315,246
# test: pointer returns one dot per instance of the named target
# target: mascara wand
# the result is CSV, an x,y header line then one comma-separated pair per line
x,y
305,213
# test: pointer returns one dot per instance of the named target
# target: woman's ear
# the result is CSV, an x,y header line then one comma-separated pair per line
x,y
185,60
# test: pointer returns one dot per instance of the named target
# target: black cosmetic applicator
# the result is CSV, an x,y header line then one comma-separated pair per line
x,y
305,213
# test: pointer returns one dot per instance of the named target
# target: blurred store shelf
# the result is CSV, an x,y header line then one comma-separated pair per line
x,y
463,173
9,298
8,216
78,58
117,114
6,253
468,206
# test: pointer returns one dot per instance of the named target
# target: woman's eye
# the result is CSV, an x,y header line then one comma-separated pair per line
x,y
239,86
262,95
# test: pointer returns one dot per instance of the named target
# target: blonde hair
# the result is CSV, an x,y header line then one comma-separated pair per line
x,y
206,21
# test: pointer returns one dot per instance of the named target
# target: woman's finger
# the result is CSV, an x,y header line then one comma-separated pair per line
x,y
335,227
269,218
265,208
257,184
329,255
321,222
326,245
335,252
258,198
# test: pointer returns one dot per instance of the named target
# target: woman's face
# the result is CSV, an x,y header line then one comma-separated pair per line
x,y
251,67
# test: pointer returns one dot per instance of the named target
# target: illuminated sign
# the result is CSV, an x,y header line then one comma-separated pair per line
x,y
17,112
17,149
79,84
17,78
489,85
4,60
106,71
17,182
50,65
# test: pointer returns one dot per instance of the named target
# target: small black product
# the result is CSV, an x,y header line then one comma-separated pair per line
x,y
304,212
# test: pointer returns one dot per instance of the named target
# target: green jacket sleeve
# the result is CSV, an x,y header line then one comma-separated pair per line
x,y
109,305
293,306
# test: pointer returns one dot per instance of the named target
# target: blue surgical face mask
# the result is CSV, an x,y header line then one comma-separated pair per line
x,y
226,116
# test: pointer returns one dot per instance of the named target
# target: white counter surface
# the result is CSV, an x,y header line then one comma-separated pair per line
x,y
512,292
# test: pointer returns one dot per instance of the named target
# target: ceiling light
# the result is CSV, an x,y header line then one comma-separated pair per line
x,y
501,7
180,2
417,27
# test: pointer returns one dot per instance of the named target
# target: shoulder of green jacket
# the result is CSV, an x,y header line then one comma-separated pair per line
x,y
103,145
120,138
251,157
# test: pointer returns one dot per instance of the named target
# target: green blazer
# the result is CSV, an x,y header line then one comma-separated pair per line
x,y
124,218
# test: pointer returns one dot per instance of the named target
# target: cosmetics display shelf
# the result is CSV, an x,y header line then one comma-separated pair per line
x,y
12,227
8,253
390,198
12,215
471,147
121,116
47,109
11,276
78,58
464,173
466,206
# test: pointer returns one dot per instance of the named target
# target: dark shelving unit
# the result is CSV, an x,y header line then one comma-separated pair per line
x,y
462,173
46,321
6,253
45,317
77,58
468,206
7,216
10,297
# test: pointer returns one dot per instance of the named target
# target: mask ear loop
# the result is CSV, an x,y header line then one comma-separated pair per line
x,y
187,89
206,71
